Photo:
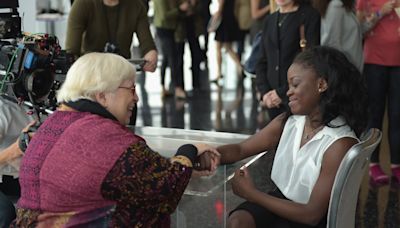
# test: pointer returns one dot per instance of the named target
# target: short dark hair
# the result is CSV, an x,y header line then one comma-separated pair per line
x,y
346,95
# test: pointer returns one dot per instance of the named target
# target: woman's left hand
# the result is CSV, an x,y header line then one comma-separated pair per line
x,y
242,183
151,61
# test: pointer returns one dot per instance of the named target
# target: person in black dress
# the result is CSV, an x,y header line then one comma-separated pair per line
x,y
279,45
227,32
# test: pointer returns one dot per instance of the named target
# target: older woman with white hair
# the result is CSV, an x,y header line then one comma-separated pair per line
x,y
85,168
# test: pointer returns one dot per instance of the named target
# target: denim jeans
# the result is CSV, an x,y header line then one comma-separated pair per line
x,y
7,211
384,88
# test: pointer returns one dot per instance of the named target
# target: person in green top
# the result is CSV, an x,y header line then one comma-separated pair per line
x,y
166,14
108,25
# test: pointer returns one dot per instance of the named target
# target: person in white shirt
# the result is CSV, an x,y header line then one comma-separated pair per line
x,y
340,29
13,118
327,102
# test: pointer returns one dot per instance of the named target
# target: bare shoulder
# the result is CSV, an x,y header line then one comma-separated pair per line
x,y
338,150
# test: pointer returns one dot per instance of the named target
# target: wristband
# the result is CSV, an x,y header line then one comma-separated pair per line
x,y
378,14
182,160
189,151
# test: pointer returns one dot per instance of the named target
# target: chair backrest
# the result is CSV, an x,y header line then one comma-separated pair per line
x,y
344,195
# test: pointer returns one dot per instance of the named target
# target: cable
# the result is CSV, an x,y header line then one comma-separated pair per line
x,y
3,82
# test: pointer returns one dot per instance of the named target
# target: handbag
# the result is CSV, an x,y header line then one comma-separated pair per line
x,y
251,62
242,12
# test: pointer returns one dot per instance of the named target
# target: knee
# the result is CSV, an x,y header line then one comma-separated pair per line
x,y
241,218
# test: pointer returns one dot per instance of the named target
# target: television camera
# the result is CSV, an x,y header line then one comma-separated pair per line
x,y
10,21
29,63
32,66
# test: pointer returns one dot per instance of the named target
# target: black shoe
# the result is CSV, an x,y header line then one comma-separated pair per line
x,y
217,80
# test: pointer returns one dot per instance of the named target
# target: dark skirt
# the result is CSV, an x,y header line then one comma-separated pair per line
x,y
228,30
265,218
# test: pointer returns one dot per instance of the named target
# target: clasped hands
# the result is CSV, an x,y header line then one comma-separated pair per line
x,y
271,99
207,161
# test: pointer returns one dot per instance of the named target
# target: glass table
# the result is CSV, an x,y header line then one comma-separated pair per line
x,y
206,199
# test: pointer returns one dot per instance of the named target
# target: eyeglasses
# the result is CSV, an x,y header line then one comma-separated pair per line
x,y
132,89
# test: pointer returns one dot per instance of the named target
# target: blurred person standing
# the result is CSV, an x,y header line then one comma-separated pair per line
x,y
381,25
108,26
280,43
166,14
227,32
206,14
340,29
242,12
190,26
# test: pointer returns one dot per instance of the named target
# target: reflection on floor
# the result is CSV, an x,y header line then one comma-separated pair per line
x,y
225,108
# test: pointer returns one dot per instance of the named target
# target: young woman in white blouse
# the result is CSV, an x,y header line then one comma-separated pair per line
x,y
310,141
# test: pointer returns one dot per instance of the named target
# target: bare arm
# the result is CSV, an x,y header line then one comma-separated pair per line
x,y
13,151
312,212
10,153
369,20
264,140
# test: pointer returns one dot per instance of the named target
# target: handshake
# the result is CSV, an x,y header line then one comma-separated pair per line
x,y
207,160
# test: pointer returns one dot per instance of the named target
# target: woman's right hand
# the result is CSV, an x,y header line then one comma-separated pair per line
x,y
202,147
208,158
151,61
387,8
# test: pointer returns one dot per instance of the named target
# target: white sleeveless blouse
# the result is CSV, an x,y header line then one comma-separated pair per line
x,y
295,170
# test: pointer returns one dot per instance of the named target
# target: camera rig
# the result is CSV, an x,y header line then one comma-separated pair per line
x,y
10,21
29,63
32,66
28,67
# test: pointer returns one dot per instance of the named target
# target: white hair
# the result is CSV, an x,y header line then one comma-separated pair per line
x,y
94,73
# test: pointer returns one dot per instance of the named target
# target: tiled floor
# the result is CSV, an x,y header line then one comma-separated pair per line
x,y
222,108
